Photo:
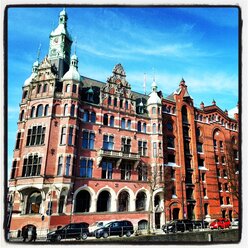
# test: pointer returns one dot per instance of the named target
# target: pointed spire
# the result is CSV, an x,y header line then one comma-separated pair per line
x,y
214,102
38,53
182,83
202,105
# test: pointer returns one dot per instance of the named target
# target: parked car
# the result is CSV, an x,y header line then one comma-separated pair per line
x,y
97,225
220,223
73,230
235,222
199,224
178,225
120,228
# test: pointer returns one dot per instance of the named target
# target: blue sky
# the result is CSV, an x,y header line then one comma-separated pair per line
x,y
198,44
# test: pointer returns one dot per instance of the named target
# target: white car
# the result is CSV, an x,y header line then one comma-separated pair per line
x,y
235,222
97,225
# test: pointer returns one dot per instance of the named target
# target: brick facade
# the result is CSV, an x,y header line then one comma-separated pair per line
x,y
92,151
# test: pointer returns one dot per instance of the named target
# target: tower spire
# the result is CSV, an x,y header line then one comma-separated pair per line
x,y
38,52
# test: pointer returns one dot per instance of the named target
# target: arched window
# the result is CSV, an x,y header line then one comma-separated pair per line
x,y
61,204
112,121
33,112
33,203
153,110
123,123
45,88
83,201
121,103
139,126
68,88
39,111
93,117
129,124
142,225
72,110
66,109
104,201
144,127
86,115
46,110
141,201
123,201
21,116
154,129
105,119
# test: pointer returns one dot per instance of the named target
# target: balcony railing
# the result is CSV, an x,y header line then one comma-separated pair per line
x,y
118,154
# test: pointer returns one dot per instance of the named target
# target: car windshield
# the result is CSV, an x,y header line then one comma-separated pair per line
x,y
108,224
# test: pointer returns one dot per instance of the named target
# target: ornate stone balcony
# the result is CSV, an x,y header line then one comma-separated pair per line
x,y
118,155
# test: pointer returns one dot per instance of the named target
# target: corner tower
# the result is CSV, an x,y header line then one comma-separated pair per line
x,y
60,45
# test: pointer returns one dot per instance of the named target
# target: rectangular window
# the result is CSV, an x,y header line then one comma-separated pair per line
x,y
142,173
125,171
204,192
31,166
63,136
142,148
107,170
170,142
221,144
154,145
223,160
86,167
200,162
172,173
215,144
199,147
70,137
12,176
108,142
220,186
221,200
228,200
36,136
218,172
171,158
60,166
67,166
203,177
126,145
186,147
18,139
88,140
216,159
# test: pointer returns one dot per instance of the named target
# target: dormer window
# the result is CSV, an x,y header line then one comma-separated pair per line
x,y
153,110
90,93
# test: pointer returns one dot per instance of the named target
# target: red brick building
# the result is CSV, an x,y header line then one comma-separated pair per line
x,y
88,150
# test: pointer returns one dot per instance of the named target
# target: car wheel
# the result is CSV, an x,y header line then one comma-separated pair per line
x,y
105,235
128,234
84,236
58,238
